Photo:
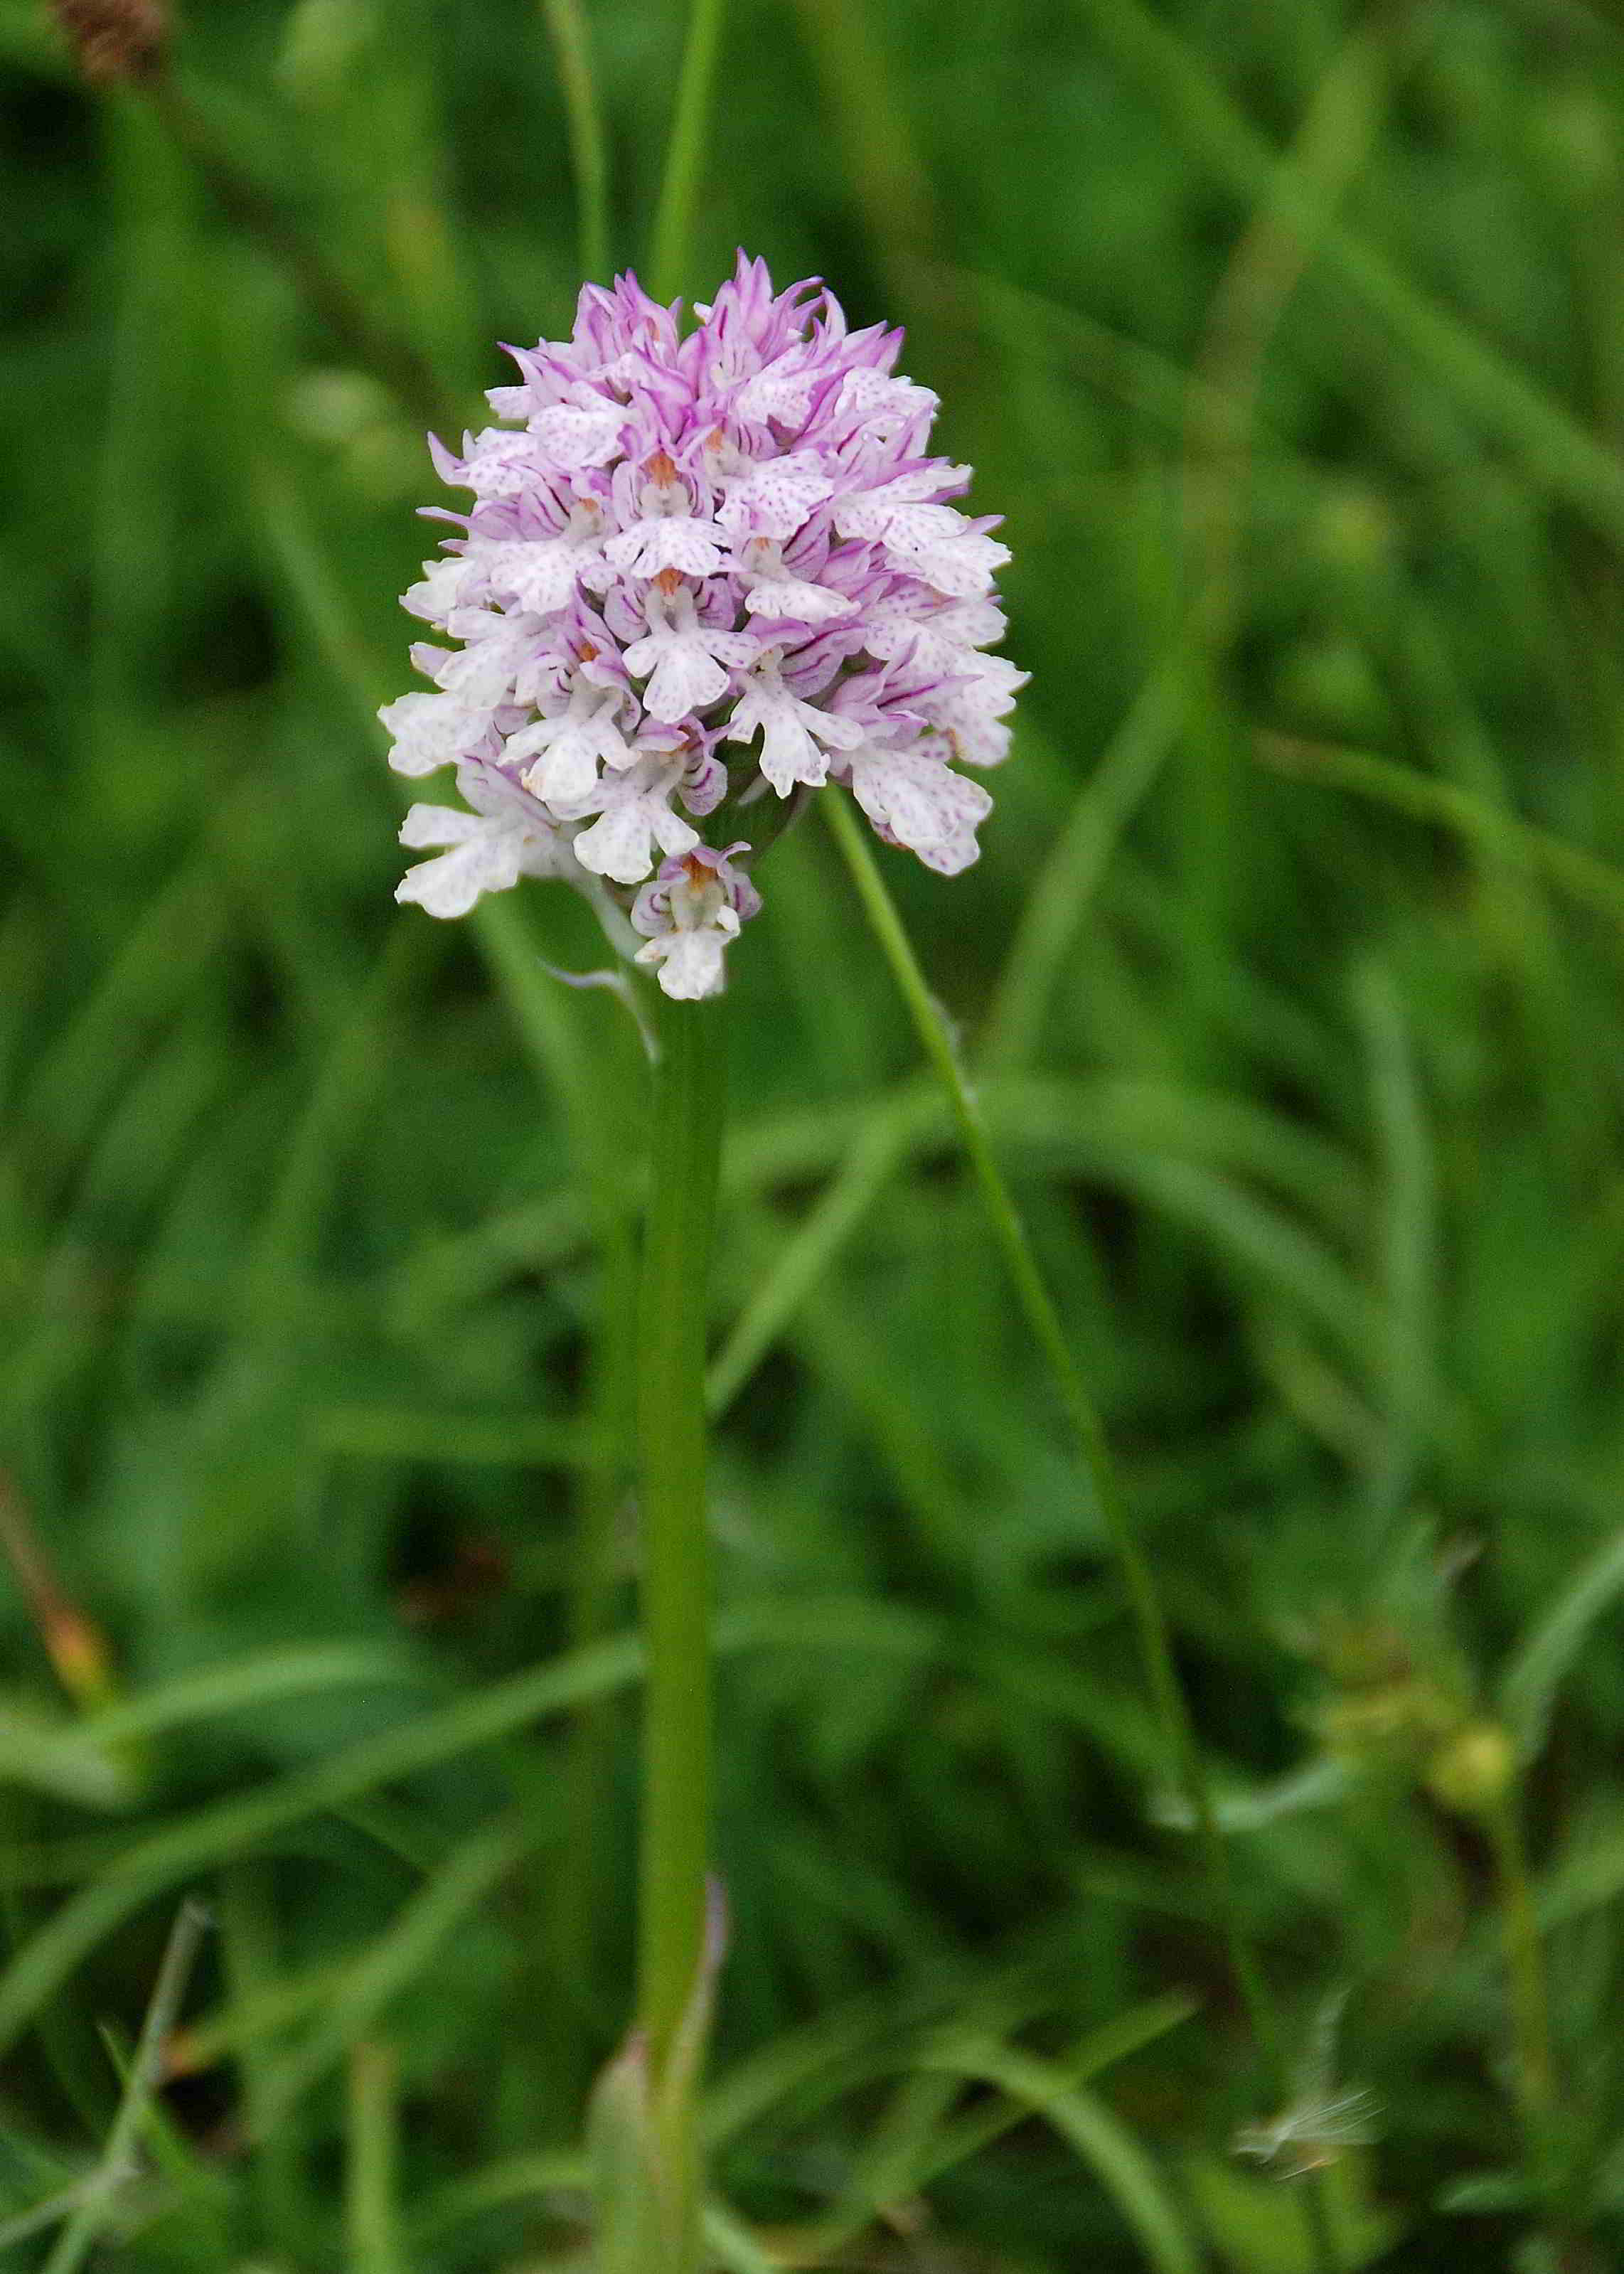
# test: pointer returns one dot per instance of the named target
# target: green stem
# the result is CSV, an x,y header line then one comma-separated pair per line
x,y
576,1908
674,222
588,153
1535,2069
371,2214
689,1097
689,1102
1037,1304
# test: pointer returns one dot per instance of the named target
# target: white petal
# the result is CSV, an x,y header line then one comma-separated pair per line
x,y
775,393
432,730
774,500
612,747
830,726
974,623
438,825
923,803
620,843
882,402
946,639
953,854
672,834
977,739
674,540
899,510
925,481
538,572
574,438
451,885
789,755
681,542
686,678
500,465
797,602
529,742
484,673
912,528
962,566
733,647
972,716
436,596
861,517
621,552
567,771
692,968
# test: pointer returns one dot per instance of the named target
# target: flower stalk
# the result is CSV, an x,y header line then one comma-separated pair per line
x,y
1534,2068
1153,1641
689,1102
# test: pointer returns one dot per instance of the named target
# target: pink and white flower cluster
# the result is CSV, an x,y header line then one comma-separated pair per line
x,y
700,567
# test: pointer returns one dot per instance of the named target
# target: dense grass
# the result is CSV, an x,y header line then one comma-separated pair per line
x,y
1290,980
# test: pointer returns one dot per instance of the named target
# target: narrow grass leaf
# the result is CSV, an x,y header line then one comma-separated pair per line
x,y
1117,2159
1589,881
392,1963
1059,900
571,47
79,2238
297,1670
1551,443
1550,1648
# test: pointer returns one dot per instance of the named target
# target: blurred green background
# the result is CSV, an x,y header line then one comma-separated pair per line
x,y
1290,338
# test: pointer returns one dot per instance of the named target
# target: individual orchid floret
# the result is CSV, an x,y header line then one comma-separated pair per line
x,y
683,660
562,755
541,570
636,814
776,587
506,836
689,916
700,573
795,736
914,798
667,533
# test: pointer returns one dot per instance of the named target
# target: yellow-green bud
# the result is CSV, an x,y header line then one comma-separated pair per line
x,y
1471,1774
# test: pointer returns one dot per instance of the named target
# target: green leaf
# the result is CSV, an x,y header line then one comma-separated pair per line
x,y
620,2154
1256,2224
1548,1652
50,1754
1118,2160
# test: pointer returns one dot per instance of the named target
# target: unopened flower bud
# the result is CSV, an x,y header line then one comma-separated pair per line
x,y
1470,1775
115,41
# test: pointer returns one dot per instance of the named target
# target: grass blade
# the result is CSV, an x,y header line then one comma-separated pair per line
x,y
79,2237
1069,878
1547,1652
1103,2142
1550,442
571,46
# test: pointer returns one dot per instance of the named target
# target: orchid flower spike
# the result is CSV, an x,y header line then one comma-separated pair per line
x,y
704,572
